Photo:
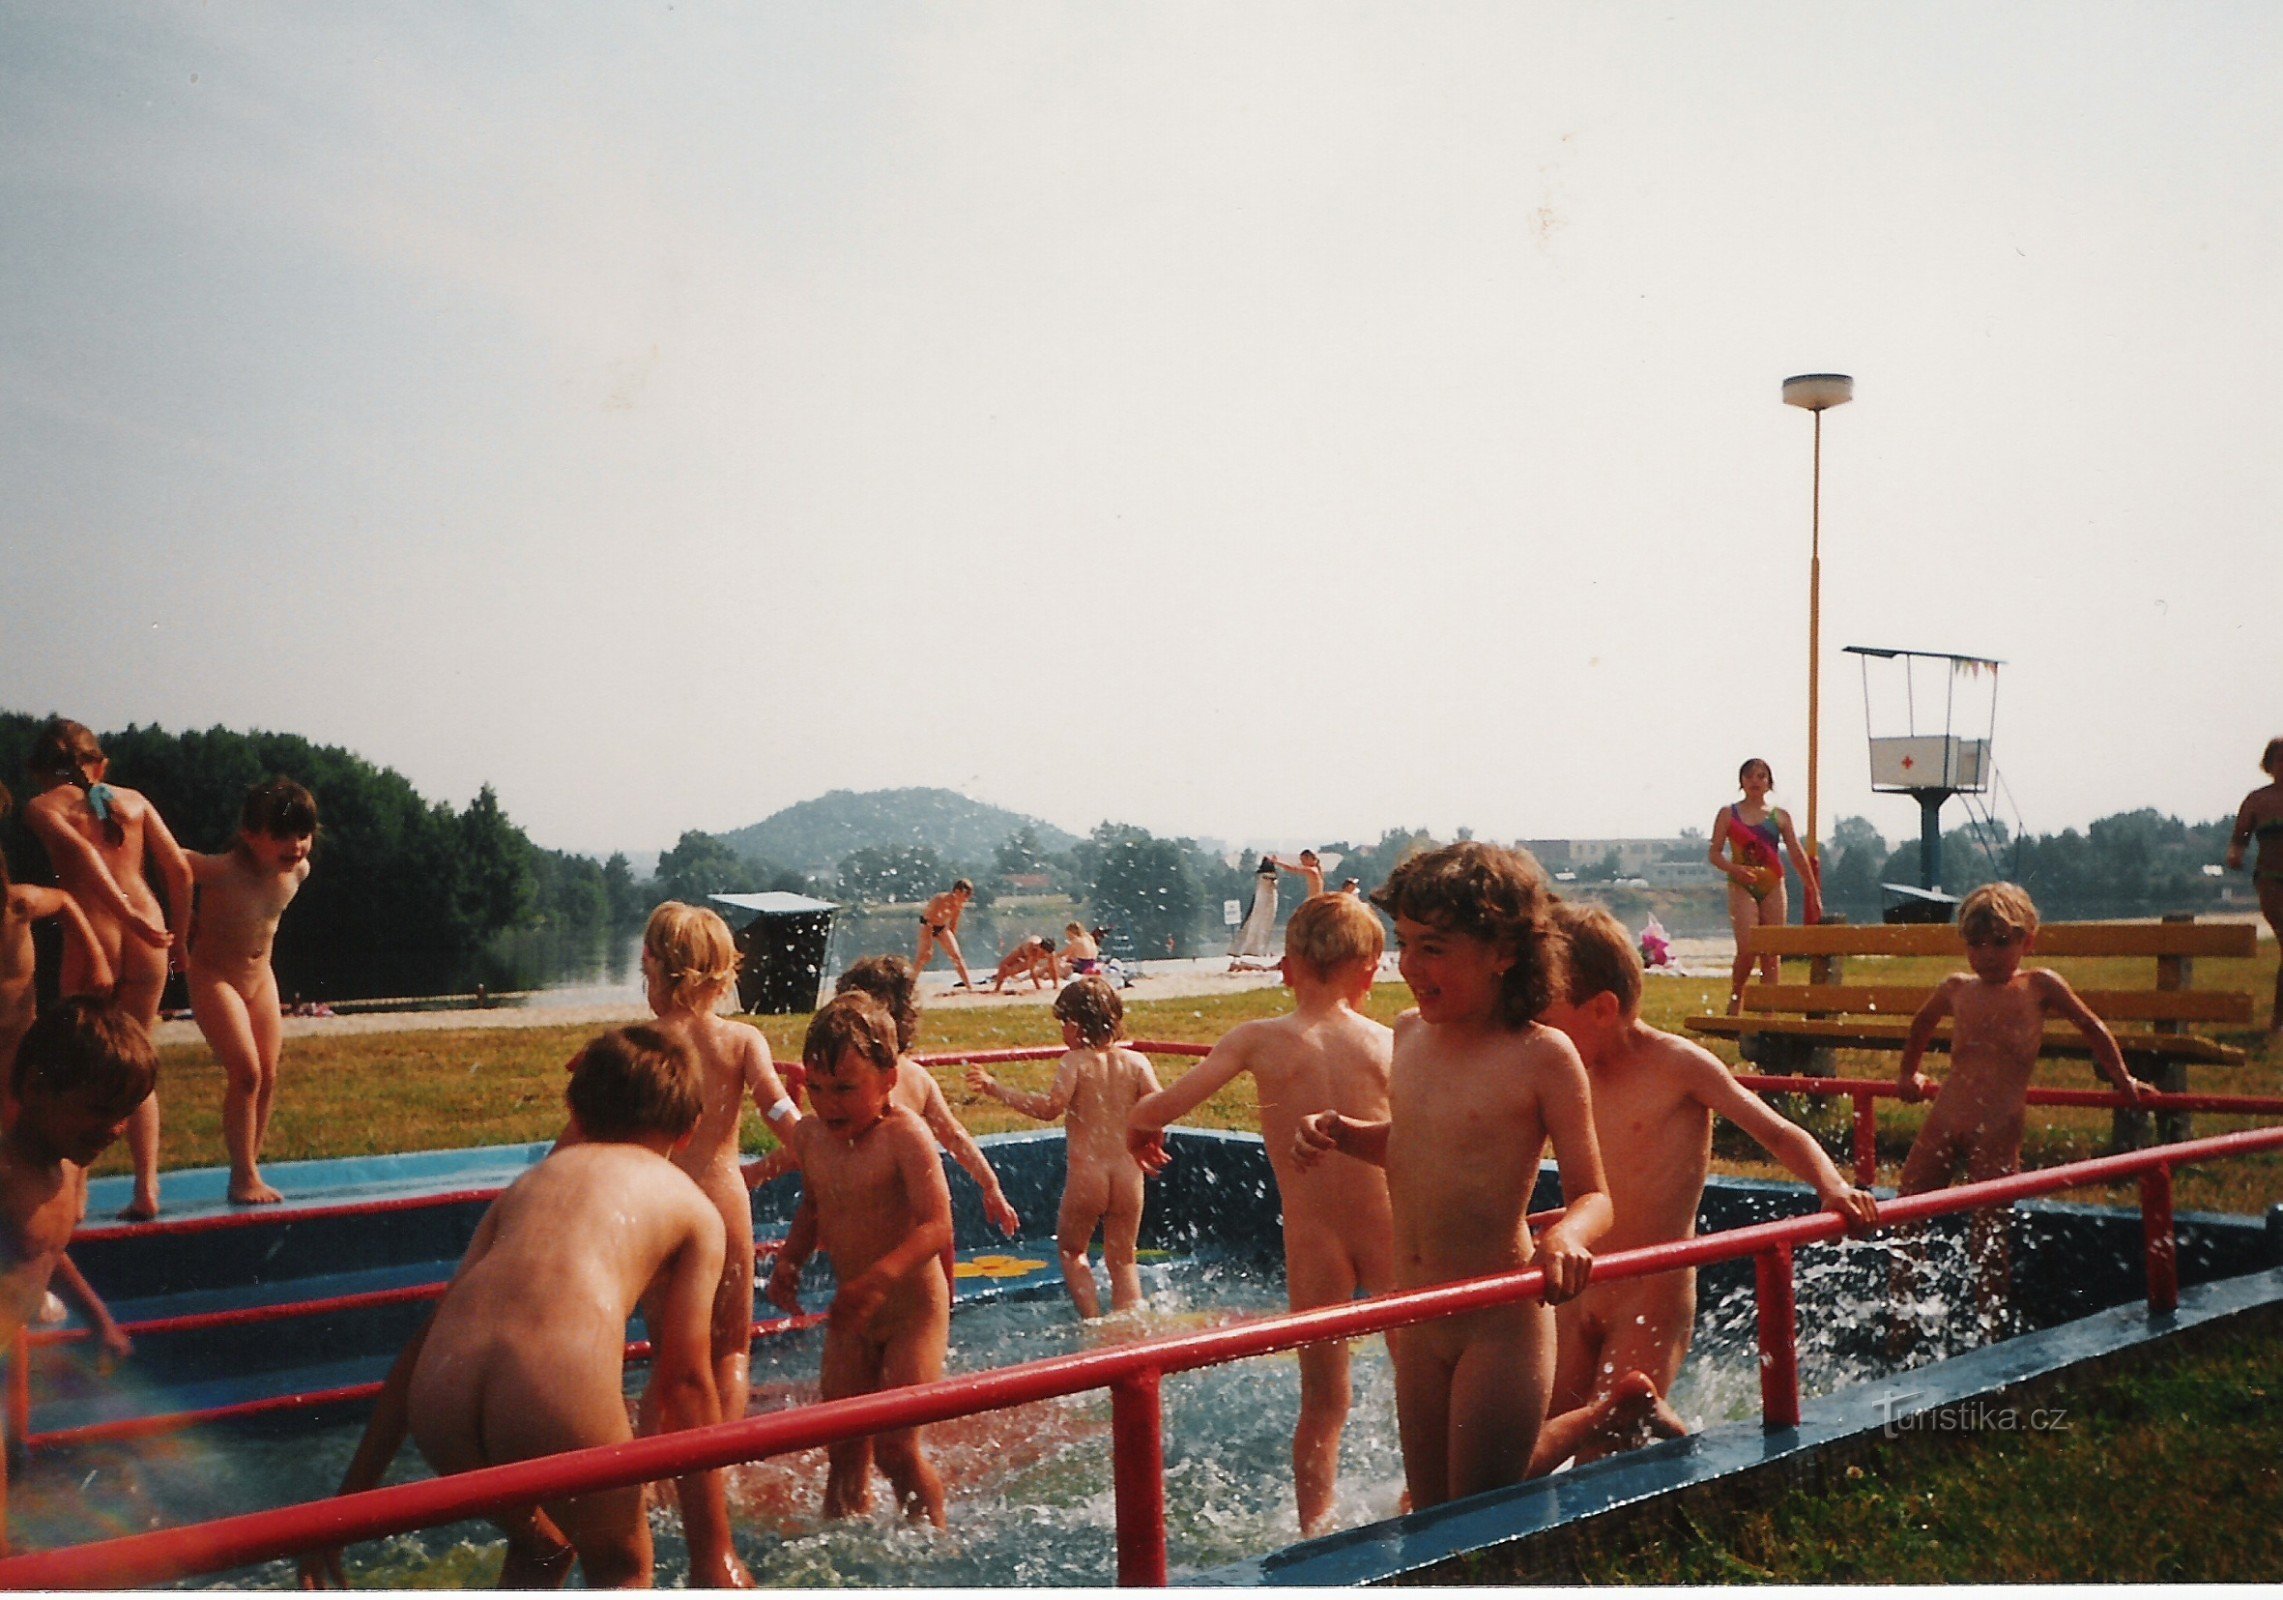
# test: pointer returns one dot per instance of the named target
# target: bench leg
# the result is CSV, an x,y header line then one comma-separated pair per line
x,y
2172,1078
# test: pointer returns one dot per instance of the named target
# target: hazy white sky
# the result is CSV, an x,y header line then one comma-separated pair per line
x,y
1233,419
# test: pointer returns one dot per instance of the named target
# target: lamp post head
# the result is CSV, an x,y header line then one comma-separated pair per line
x,y
1819,391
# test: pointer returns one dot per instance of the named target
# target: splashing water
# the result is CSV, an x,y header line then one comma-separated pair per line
x,y
1031,1499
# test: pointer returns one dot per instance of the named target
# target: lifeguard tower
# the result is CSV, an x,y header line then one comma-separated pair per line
x,y
1922,709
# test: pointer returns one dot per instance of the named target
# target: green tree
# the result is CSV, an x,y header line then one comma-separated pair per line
x,y
620,892
698,865
495,884
1141,884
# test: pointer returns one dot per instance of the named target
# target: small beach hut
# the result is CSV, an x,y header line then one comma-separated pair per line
x,y
783,941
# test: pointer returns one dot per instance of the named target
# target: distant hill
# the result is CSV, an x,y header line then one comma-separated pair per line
x,y
813,835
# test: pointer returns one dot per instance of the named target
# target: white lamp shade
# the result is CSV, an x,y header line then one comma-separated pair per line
x,y
1819,391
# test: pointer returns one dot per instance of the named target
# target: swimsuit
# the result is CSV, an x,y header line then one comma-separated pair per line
x,y
1755,847
1085,965
2270,837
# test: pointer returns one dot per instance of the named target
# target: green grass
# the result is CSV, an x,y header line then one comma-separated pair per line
x,y
2104,1497
374,1093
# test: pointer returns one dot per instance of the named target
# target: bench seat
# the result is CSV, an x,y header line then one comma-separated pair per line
x,y
1863,1033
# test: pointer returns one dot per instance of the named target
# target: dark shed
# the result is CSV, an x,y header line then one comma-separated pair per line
x,y
783,943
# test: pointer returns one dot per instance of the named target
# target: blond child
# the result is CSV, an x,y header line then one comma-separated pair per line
x,y
1082,952
689,964
1999,1012
873,1195
78,1075
1338,1234
1475,1089
242,893
1620,1346
102,839
939,927
523,1356
1096,1086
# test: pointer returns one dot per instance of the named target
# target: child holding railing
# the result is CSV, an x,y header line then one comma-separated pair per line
x,y
1475,1089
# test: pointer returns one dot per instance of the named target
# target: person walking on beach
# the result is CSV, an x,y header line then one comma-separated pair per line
x,y
2261,817
1756,836
939,926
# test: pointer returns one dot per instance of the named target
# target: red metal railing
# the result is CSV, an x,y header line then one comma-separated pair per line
x,y
1132,1373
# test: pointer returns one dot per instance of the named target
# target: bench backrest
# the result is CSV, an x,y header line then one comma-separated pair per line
x,y
2215,939
1903,1000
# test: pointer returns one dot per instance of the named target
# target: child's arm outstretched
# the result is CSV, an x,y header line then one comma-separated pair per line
x,y
1153,1112
952,1134
116,1345
768,1090
1328,1131
1782,1138
2056,998
1911,1083
1046,1107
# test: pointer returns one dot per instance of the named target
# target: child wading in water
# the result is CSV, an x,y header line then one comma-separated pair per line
x,y
689,963
1621,1345
1097,1084
79,1074
873,1194
242,894
1999,1011
525,1354
1338,1237
99,837
1475,1089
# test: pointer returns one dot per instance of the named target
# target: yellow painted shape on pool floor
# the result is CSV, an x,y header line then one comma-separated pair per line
x,y
998,1267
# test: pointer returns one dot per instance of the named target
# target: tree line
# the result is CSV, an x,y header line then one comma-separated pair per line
x,y
405,892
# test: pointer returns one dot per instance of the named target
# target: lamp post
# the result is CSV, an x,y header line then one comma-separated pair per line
x,y
1817,392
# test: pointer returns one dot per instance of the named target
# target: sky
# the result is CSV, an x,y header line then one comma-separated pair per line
x,y
1238,420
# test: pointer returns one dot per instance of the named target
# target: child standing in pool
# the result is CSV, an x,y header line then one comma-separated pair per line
x,y
1475,1088
523,1356
101,838
242,895
1756,836
1338,1237
689,963
1999,1013
889,980
873,1195
1097,1084
1619,1346
939,926
79,1074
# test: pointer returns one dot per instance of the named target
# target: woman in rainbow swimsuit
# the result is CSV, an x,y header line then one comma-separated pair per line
x,y
2262,818
1755,836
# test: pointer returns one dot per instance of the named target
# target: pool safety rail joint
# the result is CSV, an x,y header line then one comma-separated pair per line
x,y
1131,1373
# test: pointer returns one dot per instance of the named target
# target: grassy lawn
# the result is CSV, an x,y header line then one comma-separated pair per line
x,y
366,1094
2097,1499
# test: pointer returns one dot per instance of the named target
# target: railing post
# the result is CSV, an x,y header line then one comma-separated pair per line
x,y
1137,1437
1779,1338
1866,1141
2156,1233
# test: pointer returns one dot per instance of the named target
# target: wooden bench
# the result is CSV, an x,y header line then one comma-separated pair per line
x,y
1783,1023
